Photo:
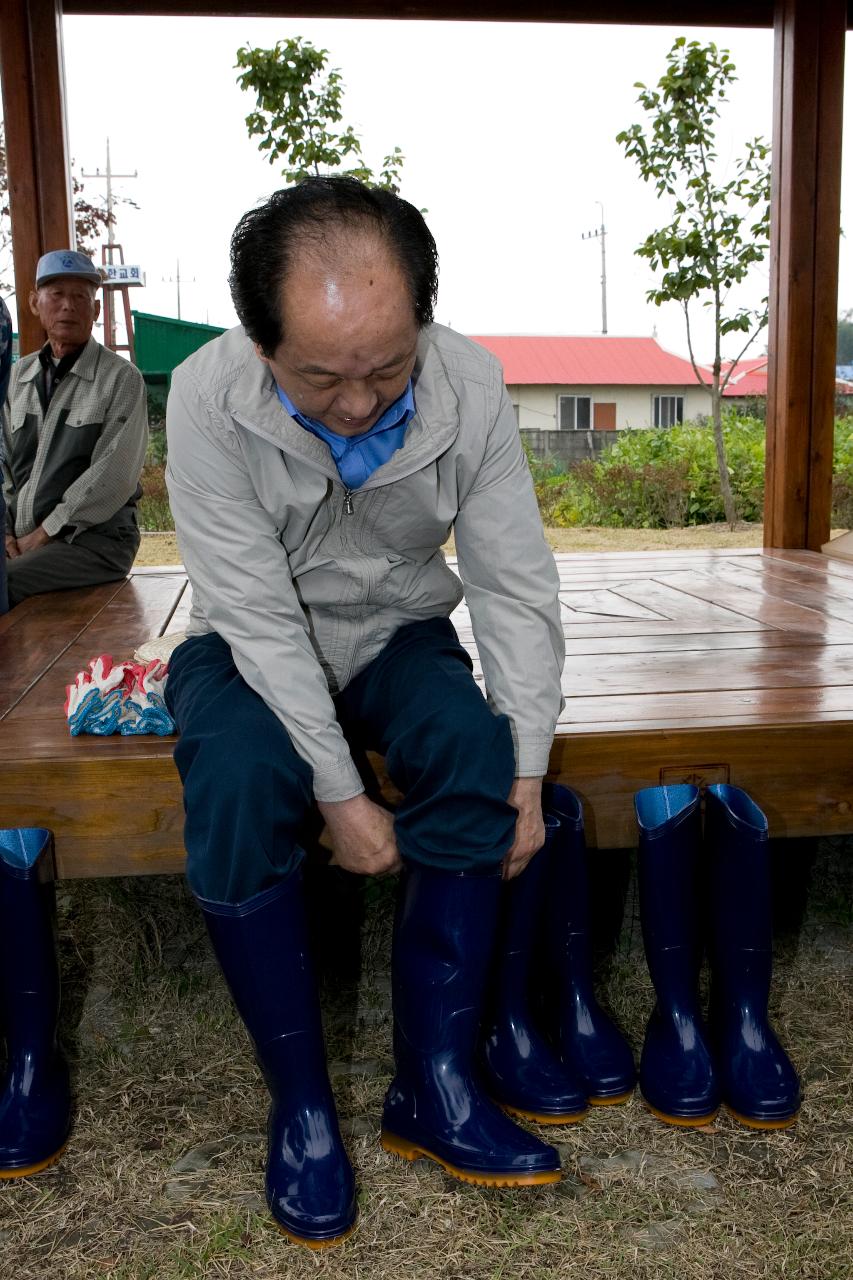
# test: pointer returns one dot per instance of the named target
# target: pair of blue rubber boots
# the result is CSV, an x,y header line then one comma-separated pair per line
x,y
713,888
35,1099
465,1045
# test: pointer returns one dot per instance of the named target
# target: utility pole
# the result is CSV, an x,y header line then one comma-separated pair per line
x,y
176,280
599,235
109,175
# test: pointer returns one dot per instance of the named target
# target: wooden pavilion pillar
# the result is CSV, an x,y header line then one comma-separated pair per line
x,y
33,78
805,229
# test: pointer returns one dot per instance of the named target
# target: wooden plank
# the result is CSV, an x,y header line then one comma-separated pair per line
x,y
818,565
624,560
806,213
796,592
46,737
36,637
128,620
748,668
671,598
803,794
819,577
107,820
33,80
709,643
765,608
684,712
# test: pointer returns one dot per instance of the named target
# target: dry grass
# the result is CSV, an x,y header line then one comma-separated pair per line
x,y
162,548
163,1175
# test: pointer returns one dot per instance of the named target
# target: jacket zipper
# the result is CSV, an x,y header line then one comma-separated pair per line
x,y
348,508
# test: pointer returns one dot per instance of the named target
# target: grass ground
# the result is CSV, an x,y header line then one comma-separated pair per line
x,y
162,548
162,1179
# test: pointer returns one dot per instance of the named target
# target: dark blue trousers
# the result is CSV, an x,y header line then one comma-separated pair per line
x,y
248,795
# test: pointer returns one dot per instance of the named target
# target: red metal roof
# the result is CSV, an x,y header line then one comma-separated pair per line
x,y
748,379
594,361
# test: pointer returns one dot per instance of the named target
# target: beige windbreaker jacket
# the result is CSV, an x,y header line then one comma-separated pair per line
x,y
307,581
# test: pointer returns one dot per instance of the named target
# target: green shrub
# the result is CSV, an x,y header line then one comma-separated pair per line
x,y
156,453
154,512
661,478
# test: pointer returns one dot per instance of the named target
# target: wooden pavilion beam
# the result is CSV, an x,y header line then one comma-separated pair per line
x,y
805,229
714,13
33,81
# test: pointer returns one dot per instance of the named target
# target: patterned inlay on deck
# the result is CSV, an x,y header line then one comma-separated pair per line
x,y
658,640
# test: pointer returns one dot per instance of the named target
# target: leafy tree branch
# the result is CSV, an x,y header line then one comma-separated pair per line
x,y
298,115
720,225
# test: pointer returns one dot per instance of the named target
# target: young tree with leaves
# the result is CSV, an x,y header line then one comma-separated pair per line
x,y
721,225
298,109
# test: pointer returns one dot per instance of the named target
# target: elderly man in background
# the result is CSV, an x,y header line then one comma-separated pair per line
x,y
319,457
75,432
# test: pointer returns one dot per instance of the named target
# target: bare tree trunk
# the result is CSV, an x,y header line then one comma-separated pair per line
x,y
722,467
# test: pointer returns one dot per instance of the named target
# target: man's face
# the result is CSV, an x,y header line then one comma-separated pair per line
x,y
350,338
67,310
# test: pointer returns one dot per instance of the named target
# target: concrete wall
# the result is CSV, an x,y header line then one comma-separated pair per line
x,y
568,446
537,405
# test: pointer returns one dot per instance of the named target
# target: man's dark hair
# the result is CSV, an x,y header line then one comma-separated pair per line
x,y
314,212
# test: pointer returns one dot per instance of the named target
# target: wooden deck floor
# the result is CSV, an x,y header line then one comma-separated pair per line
x,y
700,666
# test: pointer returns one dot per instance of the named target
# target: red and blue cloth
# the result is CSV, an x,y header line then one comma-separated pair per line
x,y
120,697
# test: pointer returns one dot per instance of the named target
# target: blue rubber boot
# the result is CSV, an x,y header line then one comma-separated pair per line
x,y
677,1076
262,947
35,1097
444,936
759,1085
520,1069
587,1040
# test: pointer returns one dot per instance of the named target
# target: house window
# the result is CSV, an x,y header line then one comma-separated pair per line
x,y
574,413
668,410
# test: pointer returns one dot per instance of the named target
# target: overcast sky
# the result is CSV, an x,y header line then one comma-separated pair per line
x,y
508,132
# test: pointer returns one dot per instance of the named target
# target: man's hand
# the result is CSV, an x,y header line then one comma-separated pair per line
x,y
32,541
526,797
362,835
12,551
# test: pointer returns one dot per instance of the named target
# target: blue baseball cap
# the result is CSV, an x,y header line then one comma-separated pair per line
x,y
63,263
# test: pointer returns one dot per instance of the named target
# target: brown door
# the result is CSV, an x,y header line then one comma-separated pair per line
x,y
604,416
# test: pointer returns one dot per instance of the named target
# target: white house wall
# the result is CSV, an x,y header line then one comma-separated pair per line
x,y
537,405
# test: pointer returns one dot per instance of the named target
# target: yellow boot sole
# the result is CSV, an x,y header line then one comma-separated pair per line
x,y
26,1170
763,1124
399,1147
315,1244
683,1122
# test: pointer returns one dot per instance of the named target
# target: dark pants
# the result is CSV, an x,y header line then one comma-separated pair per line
x,y
88,561
4,598
248,795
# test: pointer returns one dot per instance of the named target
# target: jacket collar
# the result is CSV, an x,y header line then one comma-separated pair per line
x,y
252,400
83,367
